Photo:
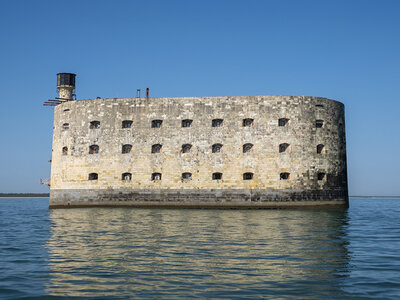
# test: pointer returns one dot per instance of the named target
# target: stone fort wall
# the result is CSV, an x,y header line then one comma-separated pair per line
x,y
90,168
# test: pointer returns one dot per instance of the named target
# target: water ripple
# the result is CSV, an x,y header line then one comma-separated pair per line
x,y
165,253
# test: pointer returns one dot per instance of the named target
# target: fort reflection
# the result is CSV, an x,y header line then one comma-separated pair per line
x,y
156,252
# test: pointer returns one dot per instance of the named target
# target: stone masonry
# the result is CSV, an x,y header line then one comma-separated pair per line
x,y
241,151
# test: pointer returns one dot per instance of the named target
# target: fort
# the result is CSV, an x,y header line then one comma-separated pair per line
x,y
205,152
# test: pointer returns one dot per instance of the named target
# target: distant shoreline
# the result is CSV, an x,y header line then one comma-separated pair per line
x,y
29,195
24,195
391,197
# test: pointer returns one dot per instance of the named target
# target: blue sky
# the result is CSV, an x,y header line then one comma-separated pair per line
x,y
344,50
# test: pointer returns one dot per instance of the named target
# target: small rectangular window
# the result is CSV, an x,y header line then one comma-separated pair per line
x,y
319,123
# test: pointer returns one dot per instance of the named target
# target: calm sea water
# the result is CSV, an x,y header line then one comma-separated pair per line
x,y
166,253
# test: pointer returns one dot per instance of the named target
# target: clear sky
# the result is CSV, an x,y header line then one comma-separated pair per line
x,y
344,50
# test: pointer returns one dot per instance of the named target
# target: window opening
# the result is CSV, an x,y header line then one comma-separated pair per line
x,y
126,148
186,148
319,123
126,176
216,148
217,122
217,176
187,123
186,176
248,176
247,147
127,124
156,123
156,148
65,151
320,149
283,122
321,176
65,126
283,147
93,149
284,176
156,176
93,176
94,125
319,105
248,122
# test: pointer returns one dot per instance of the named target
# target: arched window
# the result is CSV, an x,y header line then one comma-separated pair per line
x,y
247,147
283,147
93,176
187,123
156,148
320,149
217,122
186,176
283,122
186,148
65,151
321,176
126,148
65,126
248,122
94,125
248,176
126,176
319,123
127,124
156,123
217,176
156,176
284,176
216,148
93,149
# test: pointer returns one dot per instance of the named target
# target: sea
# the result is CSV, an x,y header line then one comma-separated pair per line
x,y
139,253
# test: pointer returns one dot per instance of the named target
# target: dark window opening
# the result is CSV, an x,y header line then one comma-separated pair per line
x,y
186,176
156,176
126,176
67,109
320,149
321,176
319,105
247,147
126,148
156,148
127,124
216,148
283,122
186,148
65,126
248,176
319,123
283,147
284,176
217,123
93,176
216,176
65,151
248,122
94,125
156,123
93,149
187,123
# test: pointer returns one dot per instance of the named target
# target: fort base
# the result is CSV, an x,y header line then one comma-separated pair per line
x,y
232,199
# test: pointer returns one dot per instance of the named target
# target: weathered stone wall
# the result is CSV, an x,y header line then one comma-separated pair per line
x,y
70,172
